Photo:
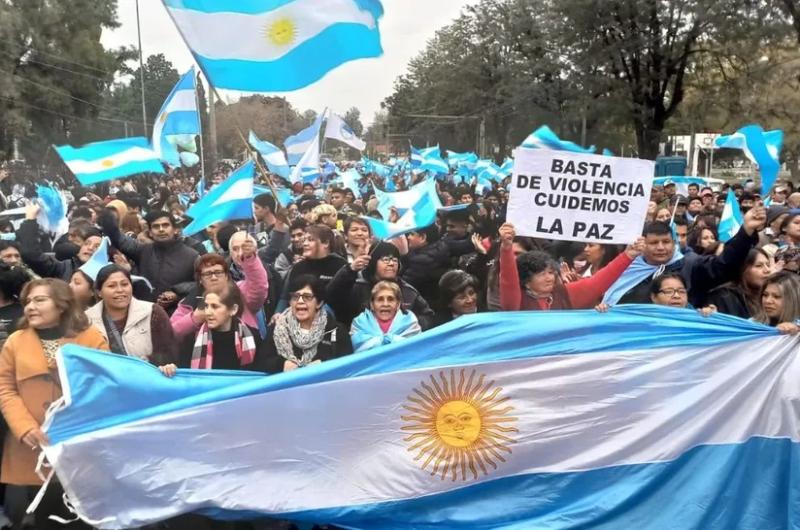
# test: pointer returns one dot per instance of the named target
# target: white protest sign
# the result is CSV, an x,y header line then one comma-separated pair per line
x,y
576,197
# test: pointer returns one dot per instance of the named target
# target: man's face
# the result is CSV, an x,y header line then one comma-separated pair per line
x,y
747,204
415,240
466,199
695,206
88,247
694,189
308,189
779,195
337,200
161,229
669,190
313,248
708,198
456,229
682,231
10,257
297,240
259,211
658,248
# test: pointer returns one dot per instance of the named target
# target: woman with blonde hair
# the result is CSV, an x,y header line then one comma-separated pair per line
x,y
29,382
780,302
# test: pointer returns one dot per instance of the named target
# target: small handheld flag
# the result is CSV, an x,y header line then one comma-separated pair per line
x,y
233,199
298,144
272,155
545,138
732,219
762,148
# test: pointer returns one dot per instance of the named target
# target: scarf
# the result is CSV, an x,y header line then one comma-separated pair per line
x,y
366,332
203,351
289,334
637,272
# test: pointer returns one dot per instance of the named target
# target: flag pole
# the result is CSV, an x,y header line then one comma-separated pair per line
x,y
202,147
141,70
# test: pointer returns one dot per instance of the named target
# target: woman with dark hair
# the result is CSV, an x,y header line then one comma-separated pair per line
x,y
12,280
780,302
29,384
790,230
532,281
83,288
132,327
224,341
458,295
598,256
305,333
742,296
703,240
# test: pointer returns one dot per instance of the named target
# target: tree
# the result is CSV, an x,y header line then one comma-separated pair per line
x,y
53,73
353,118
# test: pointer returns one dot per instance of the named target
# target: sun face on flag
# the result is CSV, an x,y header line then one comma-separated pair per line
x,y
459,426
282,32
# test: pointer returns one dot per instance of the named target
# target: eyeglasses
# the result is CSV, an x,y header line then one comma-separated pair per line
x,y
305,297
672,292
389,260
212,274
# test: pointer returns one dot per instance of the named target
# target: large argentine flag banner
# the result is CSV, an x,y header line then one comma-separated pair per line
x,y
645,417
276,45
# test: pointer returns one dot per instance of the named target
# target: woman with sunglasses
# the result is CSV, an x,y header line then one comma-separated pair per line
x,y
305,334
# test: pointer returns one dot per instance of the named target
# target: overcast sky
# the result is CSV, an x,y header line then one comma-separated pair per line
x,y
405,28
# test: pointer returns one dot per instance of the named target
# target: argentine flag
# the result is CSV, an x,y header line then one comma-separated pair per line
x,y
420,215
405,200
272,155
109,160
760,147
681,183
53,214
732,219
646,417
297,145
178,116
418,156
434,164
307,169
232,199
545,138
276,45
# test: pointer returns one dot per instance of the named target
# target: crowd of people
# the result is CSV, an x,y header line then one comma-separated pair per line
x,y
307,283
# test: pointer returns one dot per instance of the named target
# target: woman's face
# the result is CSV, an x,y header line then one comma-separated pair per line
x,y
672,293
117,292
385,305
465,302
792,229
755,274
304,305
772,301
357,235
218,315
40,308
542,283
593,253
81,288
707,239
663,215
213,279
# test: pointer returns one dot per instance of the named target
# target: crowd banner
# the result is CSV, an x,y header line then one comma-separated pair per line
x,y
579,197
644,417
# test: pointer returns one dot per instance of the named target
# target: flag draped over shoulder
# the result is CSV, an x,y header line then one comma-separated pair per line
x,y
644,417
276,45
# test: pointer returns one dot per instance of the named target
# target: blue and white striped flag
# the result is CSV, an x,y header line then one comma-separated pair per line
x,y
507,168
350,179
545,138
276,45
232,199
434,164
285,196
53,214
178,116
402,201
732,218
761,148
272,155
200,188
109,160
307,168
420,215
520,420
297,145
681,183
418,156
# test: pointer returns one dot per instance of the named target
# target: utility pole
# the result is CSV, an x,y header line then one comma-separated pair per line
x,y
141,70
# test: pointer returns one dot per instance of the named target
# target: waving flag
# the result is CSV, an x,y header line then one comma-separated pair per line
x,y
529,419
420,215
545,138
418,156
404,200
297,145
337,129
307,169
178,116
200,188
761,148
272,155
434,164
732,218
507,168
681,183
233,199
98,260
53,214
285,196
455,159
109,160
350,179
276,46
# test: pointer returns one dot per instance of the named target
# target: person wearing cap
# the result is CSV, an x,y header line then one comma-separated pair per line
x,y
350,290
776,215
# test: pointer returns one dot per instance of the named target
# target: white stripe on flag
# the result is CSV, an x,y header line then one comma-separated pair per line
x,y
266,36
134,154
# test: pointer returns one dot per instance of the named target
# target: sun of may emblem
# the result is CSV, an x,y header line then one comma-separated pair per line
x,y
459,425
281,32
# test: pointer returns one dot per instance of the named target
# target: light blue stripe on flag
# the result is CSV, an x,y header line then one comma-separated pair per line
x,y
298,144
762,148
109,160
732,219
233,199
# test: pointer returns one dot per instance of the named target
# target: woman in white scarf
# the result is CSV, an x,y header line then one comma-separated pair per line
x,y
305,334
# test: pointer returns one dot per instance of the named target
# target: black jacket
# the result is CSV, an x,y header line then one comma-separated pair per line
x,y
730,300
703,273
349,295
335,343
423,267
45,265
324,269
